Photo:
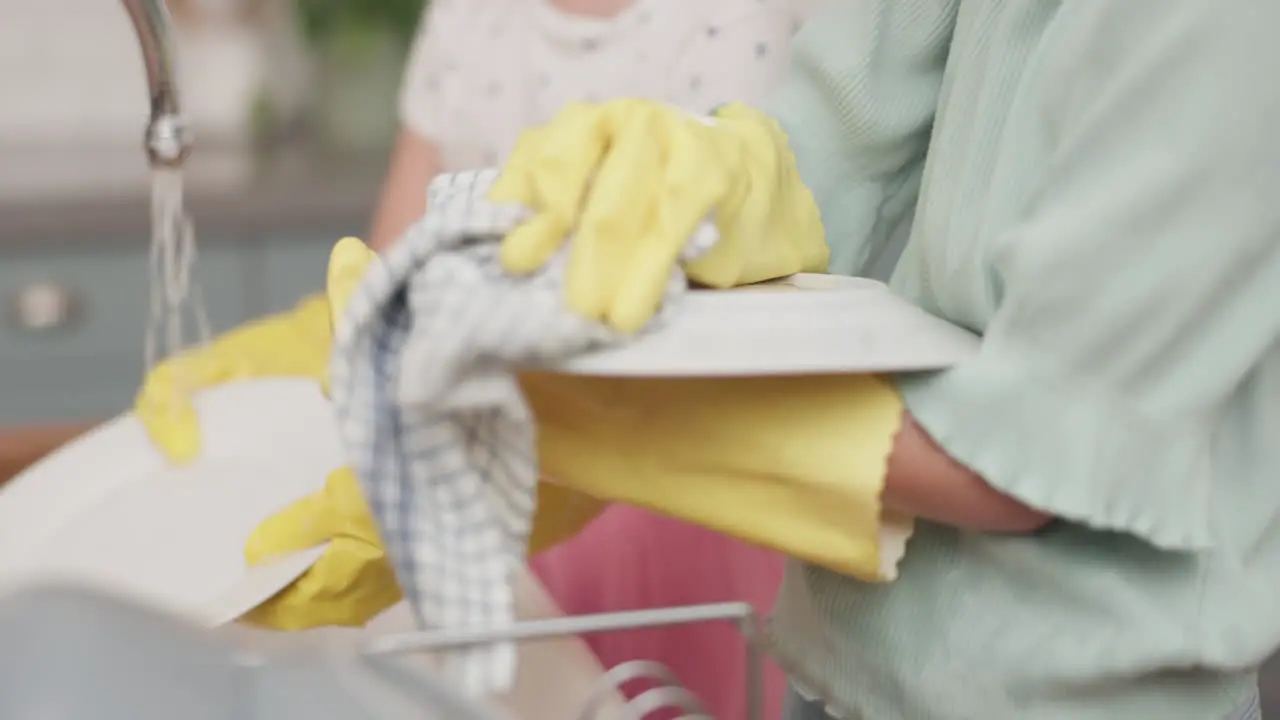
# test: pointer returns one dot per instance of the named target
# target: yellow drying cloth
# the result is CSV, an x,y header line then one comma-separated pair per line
x,y
791,463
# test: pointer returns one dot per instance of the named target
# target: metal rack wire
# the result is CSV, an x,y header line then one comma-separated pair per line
x,y
77,654
667,693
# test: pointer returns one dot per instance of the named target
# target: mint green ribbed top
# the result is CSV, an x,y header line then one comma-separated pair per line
x,y
1098,187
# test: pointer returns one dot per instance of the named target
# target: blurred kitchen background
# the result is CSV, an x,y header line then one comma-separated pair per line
x,y
293,107
292,103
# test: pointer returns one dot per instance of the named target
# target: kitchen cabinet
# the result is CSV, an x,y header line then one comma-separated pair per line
x,y
292,266
75,315
74,284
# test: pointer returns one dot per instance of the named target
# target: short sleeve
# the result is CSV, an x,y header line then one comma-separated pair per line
x,y
735,56
1142,287
432,58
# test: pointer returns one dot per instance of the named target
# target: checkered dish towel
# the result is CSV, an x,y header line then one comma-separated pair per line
x,y
432,418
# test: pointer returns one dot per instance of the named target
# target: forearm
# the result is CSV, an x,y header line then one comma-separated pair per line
x,y
924,482
415,160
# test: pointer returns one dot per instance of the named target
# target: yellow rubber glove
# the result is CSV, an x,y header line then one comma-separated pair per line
x,y
633,179
354,580
292,343
338,515
796,464
347,264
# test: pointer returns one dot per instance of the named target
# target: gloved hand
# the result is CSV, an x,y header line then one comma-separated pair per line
x,y
633,179
292,343
354,580
338,515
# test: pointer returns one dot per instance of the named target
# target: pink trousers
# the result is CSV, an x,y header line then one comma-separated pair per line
x,y
630,559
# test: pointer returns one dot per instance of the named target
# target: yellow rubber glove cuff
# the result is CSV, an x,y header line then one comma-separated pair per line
x,y
633,179
796,464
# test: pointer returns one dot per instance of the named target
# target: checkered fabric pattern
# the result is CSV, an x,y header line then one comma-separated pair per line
x,y
431,416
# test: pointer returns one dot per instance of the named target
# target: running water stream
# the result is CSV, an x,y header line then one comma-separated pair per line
x,y
175,295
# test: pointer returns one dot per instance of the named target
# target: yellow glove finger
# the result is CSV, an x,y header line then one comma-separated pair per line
x,y
618,212
164,404
514,185
348,262
549,173
352,583
562,158
690,187
171,423
532,243
304,524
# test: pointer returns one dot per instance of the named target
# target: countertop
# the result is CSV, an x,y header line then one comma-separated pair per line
x,y
77,195
21,447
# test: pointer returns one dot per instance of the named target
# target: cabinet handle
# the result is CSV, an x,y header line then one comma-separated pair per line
x,y
43,307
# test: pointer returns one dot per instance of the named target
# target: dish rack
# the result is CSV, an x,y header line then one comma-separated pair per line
x,y
76,654
666,694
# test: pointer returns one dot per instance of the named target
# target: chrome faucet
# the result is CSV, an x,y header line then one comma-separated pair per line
x,y
167,140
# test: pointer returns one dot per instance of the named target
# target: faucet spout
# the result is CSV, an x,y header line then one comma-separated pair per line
x,y
167,140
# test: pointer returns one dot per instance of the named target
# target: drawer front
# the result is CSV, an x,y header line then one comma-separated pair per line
x,y
67,388
73,324
106,295
293,268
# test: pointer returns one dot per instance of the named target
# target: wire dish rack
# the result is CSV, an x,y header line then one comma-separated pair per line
x,y
666,692
72,654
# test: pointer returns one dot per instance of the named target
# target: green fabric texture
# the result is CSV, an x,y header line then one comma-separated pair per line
x,y
1098,189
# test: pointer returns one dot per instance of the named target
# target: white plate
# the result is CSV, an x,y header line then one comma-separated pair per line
x,y
804,324
108,511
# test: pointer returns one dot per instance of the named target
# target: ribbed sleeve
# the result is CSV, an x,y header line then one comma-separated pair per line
x,y
857,108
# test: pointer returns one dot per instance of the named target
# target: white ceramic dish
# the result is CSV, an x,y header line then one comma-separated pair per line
x,y
108,511
804,324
